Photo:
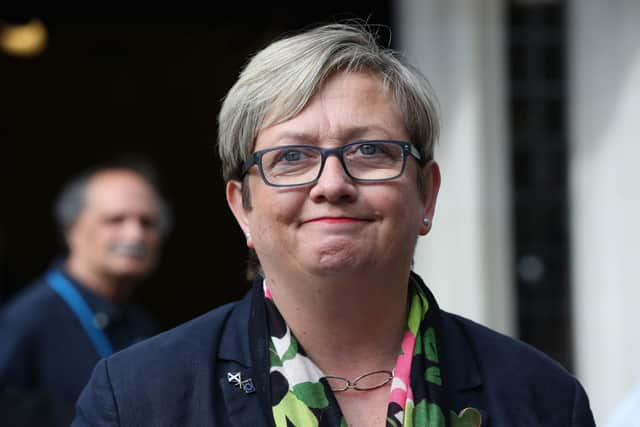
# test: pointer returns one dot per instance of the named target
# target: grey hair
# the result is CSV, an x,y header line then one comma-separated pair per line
x,y
280,80
72,199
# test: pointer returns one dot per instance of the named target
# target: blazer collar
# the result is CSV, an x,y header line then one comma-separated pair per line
x,y
234,344
461,365
464,378
246,404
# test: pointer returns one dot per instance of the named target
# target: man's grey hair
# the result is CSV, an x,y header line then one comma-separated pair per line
x,y
72,199
279,81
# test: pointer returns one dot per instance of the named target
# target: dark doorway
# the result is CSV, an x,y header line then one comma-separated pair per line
x,y
537,77
149,84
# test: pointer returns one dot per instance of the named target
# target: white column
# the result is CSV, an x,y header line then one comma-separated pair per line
x,y
466,259
605,204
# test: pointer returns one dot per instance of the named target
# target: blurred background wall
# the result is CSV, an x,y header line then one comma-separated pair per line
x,y
604,109
535,232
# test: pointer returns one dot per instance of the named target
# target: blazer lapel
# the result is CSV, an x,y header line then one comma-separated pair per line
x,y
464,378
241,400
235,374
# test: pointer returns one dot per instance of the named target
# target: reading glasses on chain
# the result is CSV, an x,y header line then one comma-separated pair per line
x,y
365,382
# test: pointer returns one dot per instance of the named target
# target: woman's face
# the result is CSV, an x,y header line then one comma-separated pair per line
x,y
337,226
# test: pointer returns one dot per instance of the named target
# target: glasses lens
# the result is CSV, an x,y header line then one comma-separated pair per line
x,y
374,160
373,380
337,384
291,165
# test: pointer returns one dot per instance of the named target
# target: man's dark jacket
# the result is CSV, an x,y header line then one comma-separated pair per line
x,y
180,378
46,357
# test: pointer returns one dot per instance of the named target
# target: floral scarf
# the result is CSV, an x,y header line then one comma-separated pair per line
x,y
300,394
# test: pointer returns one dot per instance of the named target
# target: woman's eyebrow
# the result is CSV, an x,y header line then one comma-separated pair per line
x,y
369,131
295,136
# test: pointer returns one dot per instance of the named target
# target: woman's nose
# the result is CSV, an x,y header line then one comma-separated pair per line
x,y
334,184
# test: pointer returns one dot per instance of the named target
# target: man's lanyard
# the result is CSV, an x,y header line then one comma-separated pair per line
x,y
77,304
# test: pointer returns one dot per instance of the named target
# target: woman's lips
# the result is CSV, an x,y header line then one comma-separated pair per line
x,y
335,220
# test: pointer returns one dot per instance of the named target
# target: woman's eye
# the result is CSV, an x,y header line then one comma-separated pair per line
x,y
292,156
369,149
289,157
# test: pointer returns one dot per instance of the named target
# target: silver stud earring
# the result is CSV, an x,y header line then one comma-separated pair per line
x,y
426,221
248,235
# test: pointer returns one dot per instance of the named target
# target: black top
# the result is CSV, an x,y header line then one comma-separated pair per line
x,y
46,357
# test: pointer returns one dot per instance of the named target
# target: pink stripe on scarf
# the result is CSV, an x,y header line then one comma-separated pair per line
x,y
402,370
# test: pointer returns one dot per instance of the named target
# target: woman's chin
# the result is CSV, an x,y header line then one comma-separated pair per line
x,y
336,261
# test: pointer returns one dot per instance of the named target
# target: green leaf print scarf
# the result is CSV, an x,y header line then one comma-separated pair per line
x,y
300,395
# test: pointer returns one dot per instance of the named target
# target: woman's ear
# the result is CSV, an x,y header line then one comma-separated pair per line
x,y
431,186
240,212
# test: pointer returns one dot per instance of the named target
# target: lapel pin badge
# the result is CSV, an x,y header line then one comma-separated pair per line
x,y
235,379
245,385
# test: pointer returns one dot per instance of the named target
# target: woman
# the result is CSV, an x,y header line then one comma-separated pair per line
x,y
327,143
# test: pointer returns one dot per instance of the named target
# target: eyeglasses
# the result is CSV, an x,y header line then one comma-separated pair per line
x,y
366,382
363,161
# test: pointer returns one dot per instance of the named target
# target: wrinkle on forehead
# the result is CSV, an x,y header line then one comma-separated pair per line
x,y
340,119
338,114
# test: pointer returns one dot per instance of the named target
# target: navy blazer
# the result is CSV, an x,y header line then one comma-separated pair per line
x,y
179,378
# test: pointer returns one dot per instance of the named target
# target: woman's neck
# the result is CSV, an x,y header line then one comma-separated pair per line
x,y
348,325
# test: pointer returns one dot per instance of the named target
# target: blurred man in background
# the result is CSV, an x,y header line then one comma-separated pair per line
x,y
52,333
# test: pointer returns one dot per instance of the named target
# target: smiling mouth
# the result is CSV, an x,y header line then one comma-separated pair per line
x,y
336,220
